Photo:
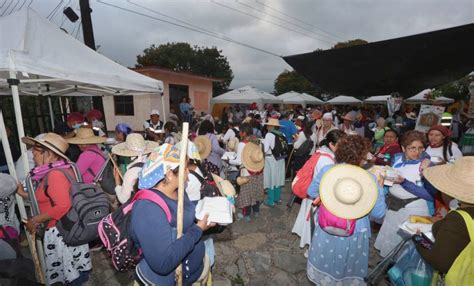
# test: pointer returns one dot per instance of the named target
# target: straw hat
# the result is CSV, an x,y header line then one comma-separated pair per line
x,y
225,187
242,180
203,145
51,141
455,180
86,136
192,150
134,146
348,116
252,157
273,122
233,143
411,115
348,191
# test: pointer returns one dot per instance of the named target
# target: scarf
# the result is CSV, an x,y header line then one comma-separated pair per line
x,y
386,147
38,173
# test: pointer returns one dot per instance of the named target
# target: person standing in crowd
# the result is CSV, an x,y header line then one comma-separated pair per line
x,y
440,147
388,151
64,264
379,133
122,130
250,160
152,125
212,162
360,124
136,149
232,131
288,128
173,117
93,118
347,124
452,233
299,122
8,219
186,110
238,114
169,137
274,171
344,259
67,130
304,147
149,224
92,158
467,139
410,194
302,226
326,127
409,122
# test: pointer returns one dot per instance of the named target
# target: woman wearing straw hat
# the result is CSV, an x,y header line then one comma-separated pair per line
x,y
274,173
347,125
92,158
136,148
250,160
209,148
150,229
454,232
348,192
64,264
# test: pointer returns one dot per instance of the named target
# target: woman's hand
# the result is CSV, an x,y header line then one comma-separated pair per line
x,y
204,223
21,191
31,225
118,179
399,179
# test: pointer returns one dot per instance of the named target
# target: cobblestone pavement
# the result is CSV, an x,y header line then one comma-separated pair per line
x,y
260,252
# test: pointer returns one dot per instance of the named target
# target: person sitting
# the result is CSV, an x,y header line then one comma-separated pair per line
x,y
391,147
153,125
74,121
441,149
347,125
169,129
149,225
92,158
93,118
122,130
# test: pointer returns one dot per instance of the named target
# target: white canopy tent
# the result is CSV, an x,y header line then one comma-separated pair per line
x,y
37,58
293,97
246,95
420,98
343,99
378,99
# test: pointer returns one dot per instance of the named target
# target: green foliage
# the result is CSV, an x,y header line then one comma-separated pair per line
x,y
182,57
457,90
292,81
349,43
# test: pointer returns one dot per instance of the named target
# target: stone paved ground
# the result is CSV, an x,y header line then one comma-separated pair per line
x,y
260,252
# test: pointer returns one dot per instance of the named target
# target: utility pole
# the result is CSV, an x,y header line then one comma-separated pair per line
x,y
86,19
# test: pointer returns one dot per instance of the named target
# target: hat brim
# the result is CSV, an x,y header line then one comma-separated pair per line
x,y
225,187
86,141
32,141
441,178
206,143
122,150
357,210
248,163
271,124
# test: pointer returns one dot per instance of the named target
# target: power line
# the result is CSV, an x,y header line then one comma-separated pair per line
x,y
273,23
4,2
294,18
284,20
14,7
23,4
6,9
192,29
54,10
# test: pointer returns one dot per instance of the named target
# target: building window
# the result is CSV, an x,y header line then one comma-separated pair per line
x,y
124,105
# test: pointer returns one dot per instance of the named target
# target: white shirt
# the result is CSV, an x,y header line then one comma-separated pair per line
x,y
269,143
302,138
193,186
129,179
156,126
230,134
323,160
438,152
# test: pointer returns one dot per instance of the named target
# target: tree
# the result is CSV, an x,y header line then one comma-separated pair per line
x,y
182,57
349,43
292,81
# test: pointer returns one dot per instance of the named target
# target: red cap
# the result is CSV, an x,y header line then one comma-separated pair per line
x,y
94,113
75,116
445,131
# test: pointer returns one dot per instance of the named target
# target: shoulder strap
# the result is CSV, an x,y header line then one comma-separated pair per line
x,y
150,196
137,164
46,185
199,177
468,220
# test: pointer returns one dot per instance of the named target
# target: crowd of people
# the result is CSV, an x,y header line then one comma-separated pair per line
x,y
361,173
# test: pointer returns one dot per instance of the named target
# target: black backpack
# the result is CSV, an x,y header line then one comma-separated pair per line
x,y
105,177
237,133
280,150
305,148
208,187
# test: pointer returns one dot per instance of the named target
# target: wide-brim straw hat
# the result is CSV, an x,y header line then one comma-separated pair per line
x,y
242,180
51,141
203,145
134,146
348,116
86,136
253,158
273,122
233,143
225,187
455,180
348,192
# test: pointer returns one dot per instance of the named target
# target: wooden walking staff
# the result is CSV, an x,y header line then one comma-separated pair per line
x,y
19,200
182,168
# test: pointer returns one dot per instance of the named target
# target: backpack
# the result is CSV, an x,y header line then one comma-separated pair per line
x,y
208,187
89,205
335,225
114,231
462,271
305,148
105,177
280,150
304,176
236,132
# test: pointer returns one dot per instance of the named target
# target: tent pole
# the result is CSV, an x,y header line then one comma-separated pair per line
x,y
163,105
51,115
61,108
19,200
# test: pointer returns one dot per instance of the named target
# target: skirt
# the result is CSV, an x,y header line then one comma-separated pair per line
x,y
337,260
302,226
251,192
64,263
273,173
390,234
211,168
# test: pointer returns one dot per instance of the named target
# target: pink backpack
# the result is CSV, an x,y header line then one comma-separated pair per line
x,y
332,224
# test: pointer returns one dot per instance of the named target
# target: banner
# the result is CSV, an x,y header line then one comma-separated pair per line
x,y
428,116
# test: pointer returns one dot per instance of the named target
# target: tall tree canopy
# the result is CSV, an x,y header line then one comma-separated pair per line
x,y
197,60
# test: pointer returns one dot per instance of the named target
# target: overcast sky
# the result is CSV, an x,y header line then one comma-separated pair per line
x,y
310,24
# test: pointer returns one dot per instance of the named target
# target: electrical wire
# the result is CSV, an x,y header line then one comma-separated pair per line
x,y
294,18
4,2
6,9
273,23
14,7
191,29
23,4
284,20
54,10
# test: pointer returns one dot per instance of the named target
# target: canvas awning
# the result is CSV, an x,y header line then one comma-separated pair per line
x,y
405,65
377,99
246,95
420,98
293,97
343,99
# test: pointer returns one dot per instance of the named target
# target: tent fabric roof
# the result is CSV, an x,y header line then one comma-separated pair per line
x,y
37,48
420,98
405,65
343,99
293,97
377,99
246,95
